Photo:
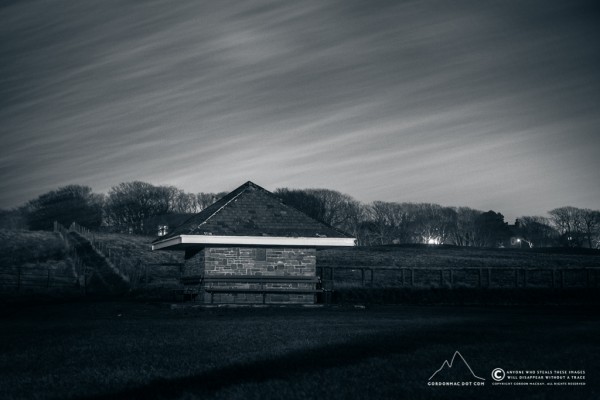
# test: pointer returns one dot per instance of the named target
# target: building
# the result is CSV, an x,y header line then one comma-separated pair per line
x,y
250,247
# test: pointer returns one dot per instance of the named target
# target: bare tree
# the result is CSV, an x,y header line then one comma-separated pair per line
x,y
306,202
433,223
72,203
491,230
204,200
391,221
590,223
129,204
336,209
357,213
184,203
536,230
465,231
569,222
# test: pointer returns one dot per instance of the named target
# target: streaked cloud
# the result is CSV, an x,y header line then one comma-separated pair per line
x,y
492,105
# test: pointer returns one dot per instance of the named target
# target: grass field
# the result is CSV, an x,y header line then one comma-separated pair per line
x,y
424,256
122,350
425,267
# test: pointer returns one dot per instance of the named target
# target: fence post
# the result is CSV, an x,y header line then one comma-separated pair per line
x,y
553,278
452,278
19,278
588,277
489,278
524,277
480,277
562,278
516,277
412,277
362,276
441,277
332,280
48,282
403,276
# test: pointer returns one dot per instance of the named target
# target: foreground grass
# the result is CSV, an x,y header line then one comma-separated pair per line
x,y
111,350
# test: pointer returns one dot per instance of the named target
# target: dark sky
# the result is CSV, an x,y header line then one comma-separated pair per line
x,y
493,105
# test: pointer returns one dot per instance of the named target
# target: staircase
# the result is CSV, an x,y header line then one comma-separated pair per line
x,y
101,277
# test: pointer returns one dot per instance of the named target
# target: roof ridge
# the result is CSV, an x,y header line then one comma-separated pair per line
x,y
244,187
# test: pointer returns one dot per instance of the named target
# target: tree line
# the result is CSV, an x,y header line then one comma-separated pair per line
x,y
142,208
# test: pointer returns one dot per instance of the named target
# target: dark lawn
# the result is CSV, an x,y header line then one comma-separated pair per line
x,y
111,350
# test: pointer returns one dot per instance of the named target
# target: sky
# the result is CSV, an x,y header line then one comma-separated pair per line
x,y
491,105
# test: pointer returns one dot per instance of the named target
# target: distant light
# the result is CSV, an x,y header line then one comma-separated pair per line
x,y
433,241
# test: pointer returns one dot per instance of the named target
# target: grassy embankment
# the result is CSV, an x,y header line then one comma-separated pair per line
x,y
42,262
36,261
458,275
148,270
155,273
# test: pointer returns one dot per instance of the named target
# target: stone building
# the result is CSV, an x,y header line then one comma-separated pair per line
x,y
250,247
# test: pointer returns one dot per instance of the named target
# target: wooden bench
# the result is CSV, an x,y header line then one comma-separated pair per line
x,y
190,288
191,279
211,283
185,294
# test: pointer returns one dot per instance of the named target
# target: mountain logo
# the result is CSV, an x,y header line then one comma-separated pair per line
x,y
456,370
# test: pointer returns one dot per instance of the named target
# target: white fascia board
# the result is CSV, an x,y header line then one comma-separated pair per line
x,y
256,241
167,243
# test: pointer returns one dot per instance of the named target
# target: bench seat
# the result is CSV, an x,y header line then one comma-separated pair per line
x,y
264,292
217,284
213,285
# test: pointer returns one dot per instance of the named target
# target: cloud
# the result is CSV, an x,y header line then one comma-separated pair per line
x,y
464,103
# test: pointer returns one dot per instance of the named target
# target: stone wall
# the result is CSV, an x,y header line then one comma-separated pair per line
x,y
260,261
193,264
223,261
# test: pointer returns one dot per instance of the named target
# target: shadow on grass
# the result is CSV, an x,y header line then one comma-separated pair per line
x,y
286,366
469,296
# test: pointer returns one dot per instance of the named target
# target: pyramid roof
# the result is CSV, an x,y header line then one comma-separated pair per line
x,y
251,215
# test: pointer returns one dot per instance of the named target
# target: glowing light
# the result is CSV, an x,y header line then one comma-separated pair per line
x,y
163,230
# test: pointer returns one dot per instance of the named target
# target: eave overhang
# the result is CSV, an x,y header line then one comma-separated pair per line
x,y
185,241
